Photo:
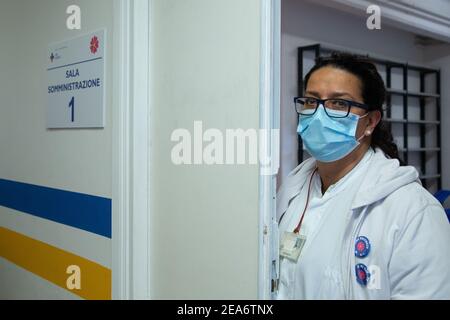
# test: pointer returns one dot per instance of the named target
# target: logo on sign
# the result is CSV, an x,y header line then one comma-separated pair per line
x,y
54,56
94,45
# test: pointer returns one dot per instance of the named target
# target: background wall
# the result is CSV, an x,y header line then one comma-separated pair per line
x,y
70,160
305,23
204,218
439,57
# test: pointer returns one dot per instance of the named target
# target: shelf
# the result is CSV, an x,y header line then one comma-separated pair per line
x,y
395,120
429,176
408,149
419,149
328,48
411,121
414,94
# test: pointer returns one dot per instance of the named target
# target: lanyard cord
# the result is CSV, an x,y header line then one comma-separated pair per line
x,y
297,229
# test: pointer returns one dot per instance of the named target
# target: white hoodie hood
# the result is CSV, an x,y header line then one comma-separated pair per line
x,y
383,177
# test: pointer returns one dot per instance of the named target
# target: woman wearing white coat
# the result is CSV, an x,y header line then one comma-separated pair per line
x,y
353,222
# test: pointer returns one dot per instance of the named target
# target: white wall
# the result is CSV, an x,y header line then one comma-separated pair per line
x,y
73,160
437,7
205,57
305,23
426,18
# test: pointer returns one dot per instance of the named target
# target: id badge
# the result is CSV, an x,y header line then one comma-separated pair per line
x,y
292,245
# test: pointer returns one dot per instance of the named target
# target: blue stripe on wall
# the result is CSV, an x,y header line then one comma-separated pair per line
x,y
77,210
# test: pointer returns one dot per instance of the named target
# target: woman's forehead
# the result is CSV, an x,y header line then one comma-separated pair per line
x,y
331,80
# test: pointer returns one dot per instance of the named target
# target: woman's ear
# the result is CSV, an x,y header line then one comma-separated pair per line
x,y
374,119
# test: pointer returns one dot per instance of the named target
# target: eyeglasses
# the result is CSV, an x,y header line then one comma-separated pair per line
x,y
307,106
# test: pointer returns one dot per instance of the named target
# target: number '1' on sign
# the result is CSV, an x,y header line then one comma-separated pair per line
x,y
72,106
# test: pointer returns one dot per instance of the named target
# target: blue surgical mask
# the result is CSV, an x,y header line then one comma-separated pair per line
x,y
329,139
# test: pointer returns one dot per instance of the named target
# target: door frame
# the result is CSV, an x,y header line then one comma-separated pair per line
x,y
269,121
131,151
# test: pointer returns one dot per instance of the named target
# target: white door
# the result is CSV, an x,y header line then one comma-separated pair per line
x,y
196,70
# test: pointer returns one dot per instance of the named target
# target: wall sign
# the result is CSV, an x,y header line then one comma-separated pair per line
x,y
76,88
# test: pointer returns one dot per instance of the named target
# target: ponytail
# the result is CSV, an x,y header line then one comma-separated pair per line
x,y
382,138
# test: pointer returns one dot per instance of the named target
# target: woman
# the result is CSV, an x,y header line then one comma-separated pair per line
x,y
353,222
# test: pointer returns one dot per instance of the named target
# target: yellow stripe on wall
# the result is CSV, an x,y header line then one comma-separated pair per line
x,y
52,263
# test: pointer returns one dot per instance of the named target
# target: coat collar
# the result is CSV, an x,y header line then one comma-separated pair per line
x,y
293,185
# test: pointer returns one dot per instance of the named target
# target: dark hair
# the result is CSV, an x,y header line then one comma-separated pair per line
x,y
373,92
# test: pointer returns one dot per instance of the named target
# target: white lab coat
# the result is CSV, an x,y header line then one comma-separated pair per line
x,y
407,227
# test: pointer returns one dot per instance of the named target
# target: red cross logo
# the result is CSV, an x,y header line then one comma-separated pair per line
x,y
94,45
